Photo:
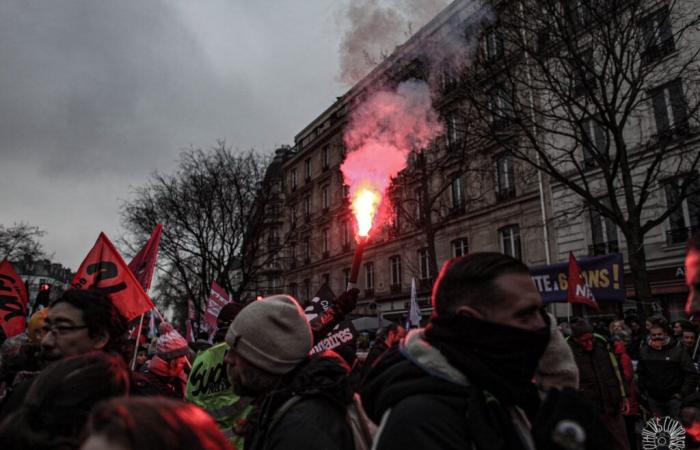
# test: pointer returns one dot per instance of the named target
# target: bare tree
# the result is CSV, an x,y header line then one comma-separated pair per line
x,y
439,185
20,242
601,97
212,209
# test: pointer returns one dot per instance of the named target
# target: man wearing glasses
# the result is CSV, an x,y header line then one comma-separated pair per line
x,y
82,321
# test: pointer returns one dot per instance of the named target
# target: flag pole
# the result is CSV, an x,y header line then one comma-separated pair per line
x,y
136,347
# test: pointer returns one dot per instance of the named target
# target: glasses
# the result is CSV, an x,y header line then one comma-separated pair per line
x,y
60,330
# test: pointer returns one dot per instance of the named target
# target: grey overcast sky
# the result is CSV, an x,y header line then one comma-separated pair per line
x,y
95,95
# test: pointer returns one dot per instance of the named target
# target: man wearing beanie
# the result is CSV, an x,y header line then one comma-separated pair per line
x,y
165,374
600,379
300,401
466,380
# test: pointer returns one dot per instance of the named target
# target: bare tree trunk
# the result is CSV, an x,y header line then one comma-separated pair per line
x,y
638,266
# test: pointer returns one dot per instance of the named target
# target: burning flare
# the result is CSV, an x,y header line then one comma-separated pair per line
x,y
364,206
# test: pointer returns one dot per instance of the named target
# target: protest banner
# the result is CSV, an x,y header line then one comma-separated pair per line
x,y
218,298
579,291
603,274
343,333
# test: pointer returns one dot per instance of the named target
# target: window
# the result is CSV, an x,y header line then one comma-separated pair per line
x,y
274,237
307,170
684,220
293,216
506,177
345,232
326,243
307,290
325,197
447,79
293,179
456,193
454,132
346,277
583,69
307,250
293,253
325,157
419,204
369,276
657,35
595,141
491,44
307,208
326,279
460,247
501,108
603,233
423,264
294,290
395,263
670,110
581,12
396,217
510,241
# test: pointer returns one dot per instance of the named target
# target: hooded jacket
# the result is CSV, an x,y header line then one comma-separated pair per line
x,y
306,410
413,387
421,401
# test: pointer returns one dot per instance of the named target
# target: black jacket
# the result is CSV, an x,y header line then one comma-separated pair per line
x,y
666,372
306,411
422,402
599,380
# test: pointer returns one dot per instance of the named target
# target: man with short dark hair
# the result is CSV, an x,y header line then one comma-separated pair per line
x,y
465,381
82,321
386,338
666,373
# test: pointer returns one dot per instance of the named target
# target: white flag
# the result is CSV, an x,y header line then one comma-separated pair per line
x,y
414,313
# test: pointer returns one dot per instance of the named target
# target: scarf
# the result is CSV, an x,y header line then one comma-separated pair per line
x,y
497,358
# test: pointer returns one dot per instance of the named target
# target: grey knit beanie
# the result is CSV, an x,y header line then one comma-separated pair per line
x,y
272,334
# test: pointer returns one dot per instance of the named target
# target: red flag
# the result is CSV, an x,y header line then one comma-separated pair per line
x,y
145,261
578,291
217,299
104,269
13,300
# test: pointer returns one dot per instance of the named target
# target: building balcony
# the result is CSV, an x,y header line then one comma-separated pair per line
x,y
603,248
505,194
680,235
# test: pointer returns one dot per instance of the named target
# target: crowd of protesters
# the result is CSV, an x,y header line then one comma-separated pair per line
x,y
491,370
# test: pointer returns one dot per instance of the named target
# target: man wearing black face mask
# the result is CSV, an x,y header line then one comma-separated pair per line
x,y
466,381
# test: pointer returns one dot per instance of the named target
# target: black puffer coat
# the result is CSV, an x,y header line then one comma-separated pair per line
x,y
421,402
666,372
315,419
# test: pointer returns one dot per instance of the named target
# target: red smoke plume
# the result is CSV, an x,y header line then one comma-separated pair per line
x,y
382,132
